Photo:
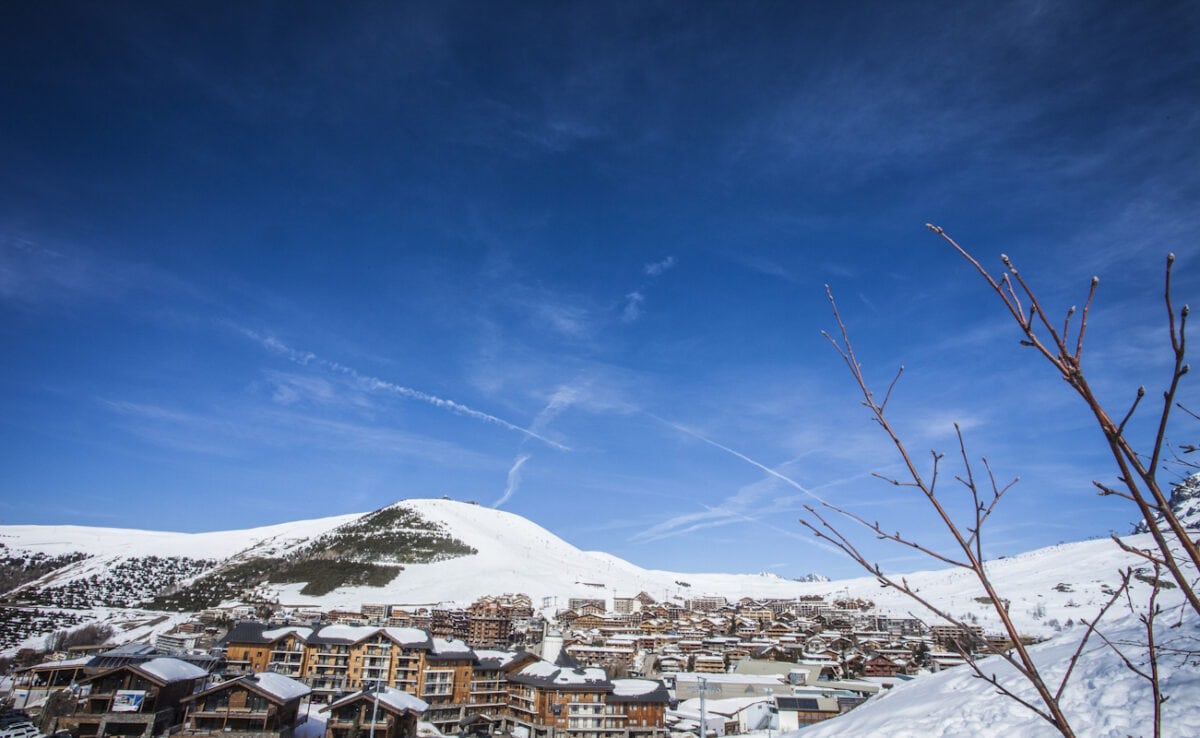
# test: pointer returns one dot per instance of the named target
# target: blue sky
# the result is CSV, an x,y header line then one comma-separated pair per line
x,y
277,261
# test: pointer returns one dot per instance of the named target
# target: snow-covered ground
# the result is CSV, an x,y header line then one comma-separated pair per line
x,y
1103,697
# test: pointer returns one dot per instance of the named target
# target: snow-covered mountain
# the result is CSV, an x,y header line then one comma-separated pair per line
x,y
813,577
443,551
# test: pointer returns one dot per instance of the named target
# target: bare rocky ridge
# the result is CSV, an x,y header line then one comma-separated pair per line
x,y
1184,502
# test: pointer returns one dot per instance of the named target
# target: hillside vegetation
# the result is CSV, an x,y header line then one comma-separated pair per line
x,y
367,552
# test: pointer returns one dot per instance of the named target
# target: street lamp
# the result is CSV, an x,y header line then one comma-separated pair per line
x,y
770,704
375,708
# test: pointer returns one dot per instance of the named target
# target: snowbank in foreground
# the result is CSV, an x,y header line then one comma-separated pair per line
x,y
1104,698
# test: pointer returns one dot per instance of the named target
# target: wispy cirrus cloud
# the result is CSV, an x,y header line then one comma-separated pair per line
x,y
563,398
33,274
657,268
635,300
289,388
234,432
375,384
633,307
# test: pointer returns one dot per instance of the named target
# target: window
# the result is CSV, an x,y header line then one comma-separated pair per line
x,y
438,682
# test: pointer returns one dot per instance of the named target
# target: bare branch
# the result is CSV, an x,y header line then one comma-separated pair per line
x,y
1137,472
896,537
888,395
1125,577
1143,553
1087,306
1141,392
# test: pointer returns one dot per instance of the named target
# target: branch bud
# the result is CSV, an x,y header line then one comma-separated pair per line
x,y
1142,391
1184,369
1170,258
1095,281
1185,311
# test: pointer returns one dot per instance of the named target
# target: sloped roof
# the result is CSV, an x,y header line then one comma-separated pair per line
x,y
391,699
275,687
349,634
301,632
546,674
450,650
246,631
278,685
489,659
169,670
639,690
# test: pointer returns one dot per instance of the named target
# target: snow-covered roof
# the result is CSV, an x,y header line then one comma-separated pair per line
x,y
407,636
491,659
590,675
628,687
412,637
640,690
541,669
299,630
285,688
170,670
551,675
401,700
396,700
451,649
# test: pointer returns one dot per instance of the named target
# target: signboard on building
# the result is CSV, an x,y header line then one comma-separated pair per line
x,y
128,700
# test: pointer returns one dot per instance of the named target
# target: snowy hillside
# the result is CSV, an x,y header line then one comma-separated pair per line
x,y
517,555
1103,699
121,542
1048,588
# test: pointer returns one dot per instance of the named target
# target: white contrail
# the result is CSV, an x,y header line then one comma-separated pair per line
x,y
514,479
563,398
307,358
781,477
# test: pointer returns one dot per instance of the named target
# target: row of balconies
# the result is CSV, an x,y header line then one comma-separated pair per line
x,y
589,724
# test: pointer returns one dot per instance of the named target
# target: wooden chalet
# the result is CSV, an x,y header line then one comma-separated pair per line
x,y
258,705
140,699
881,665
387,712
33,684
